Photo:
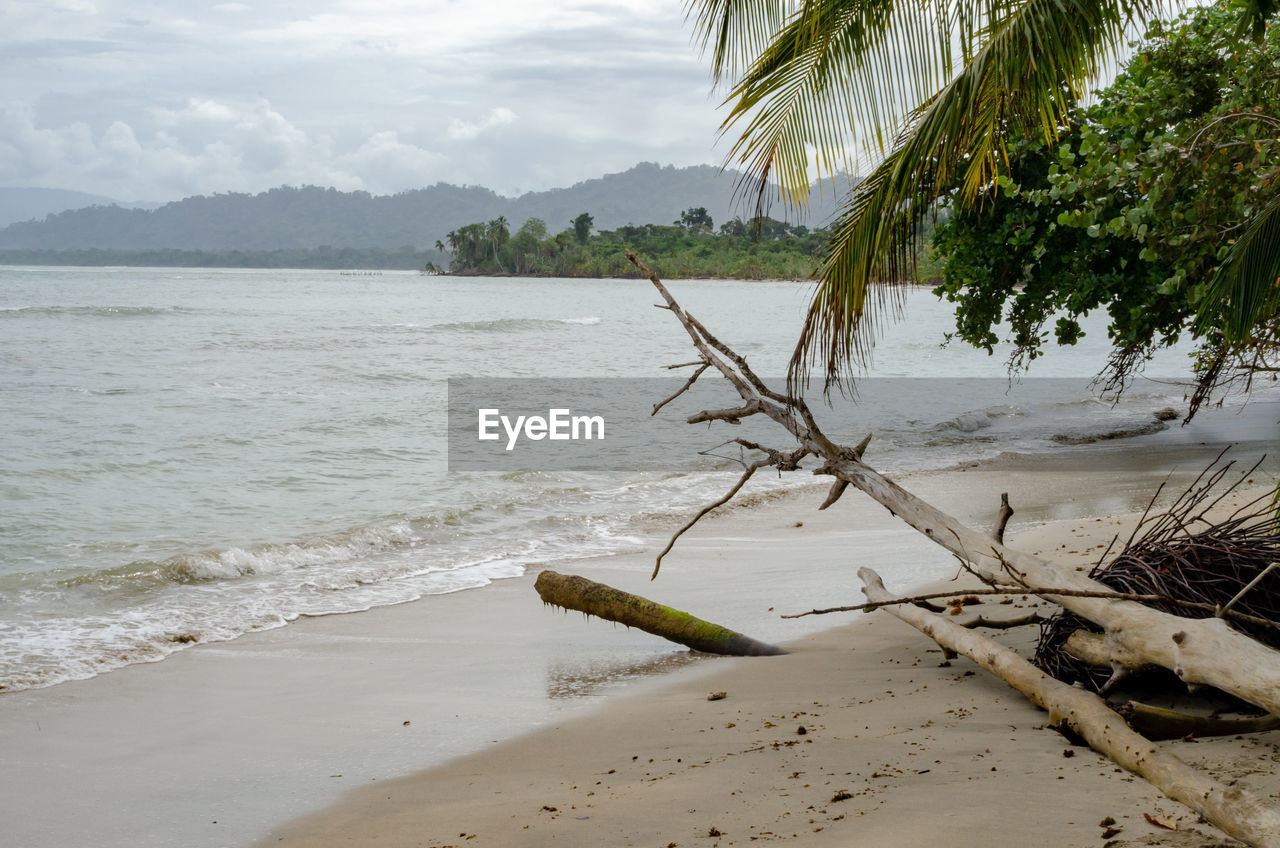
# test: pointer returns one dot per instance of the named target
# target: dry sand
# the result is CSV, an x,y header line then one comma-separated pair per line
x,y
862,735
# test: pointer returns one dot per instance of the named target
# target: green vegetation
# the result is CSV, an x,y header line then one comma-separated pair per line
x,y
938,94
1134,208
761,248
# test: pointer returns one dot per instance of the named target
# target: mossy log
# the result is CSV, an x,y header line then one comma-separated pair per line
x,y
570,591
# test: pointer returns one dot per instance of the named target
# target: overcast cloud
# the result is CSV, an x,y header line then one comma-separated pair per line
x,y
150,100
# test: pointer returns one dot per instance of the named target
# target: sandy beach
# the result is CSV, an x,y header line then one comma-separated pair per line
x,y
539,728
862,735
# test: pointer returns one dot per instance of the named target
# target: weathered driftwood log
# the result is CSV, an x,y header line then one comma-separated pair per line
x,y
578,593
1199,651
1231,809
1160,723
1092,649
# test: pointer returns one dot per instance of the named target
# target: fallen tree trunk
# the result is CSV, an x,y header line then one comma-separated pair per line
x,y
578,593
1232,810
1203,650
1160,723
1092,648
1200,651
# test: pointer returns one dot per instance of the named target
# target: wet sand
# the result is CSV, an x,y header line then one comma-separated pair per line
x,y
317,733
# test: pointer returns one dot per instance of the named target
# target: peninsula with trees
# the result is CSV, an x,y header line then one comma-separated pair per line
x,y
692,246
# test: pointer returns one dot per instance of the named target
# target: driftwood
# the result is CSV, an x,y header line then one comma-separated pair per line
x,y
1161,723
1195,566
1092,648
1231,809
1200,651
578,593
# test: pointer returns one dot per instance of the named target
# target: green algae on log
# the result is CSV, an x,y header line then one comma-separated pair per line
x,y
570,591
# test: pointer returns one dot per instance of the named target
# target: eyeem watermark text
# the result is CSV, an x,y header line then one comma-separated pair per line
x,y
559,425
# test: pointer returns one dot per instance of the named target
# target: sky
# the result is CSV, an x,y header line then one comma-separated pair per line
x,y
154,100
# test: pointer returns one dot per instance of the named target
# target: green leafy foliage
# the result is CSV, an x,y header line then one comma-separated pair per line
x,y
933,94
760,248
1133,207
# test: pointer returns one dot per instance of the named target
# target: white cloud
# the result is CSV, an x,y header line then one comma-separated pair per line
x,y
197,110
386,164
385,95
460,130
206,147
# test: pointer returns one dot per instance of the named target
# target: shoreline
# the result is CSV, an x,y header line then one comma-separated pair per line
x,y
221,743
863,731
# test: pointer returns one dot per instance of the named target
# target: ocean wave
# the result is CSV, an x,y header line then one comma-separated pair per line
x,y
236,562
35,654
515,324
970,422
92,311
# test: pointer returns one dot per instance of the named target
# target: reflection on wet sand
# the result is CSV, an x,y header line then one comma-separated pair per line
x,y
588,675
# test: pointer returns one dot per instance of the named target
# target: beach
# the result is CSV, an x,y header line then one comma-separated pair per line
x,y
317,734
242,583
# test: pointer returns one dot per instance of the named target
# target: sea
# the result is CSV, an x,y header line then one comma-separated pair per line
x,y
187,456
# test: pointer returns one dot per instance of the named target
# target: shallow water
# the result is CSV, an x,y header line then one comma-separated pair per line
x,y
190,455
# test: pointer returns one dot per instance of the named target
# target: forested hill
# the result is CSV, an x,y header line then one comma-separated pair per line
x,y
310,217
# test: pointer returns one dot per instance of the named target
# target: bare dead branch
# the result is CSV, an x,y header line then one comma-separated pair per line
x,y
923,599
1105,594
739,383
782,460
732,416
1002,519
1004,623
741,364
687,385
742,481
837,489
1195,649
1226,609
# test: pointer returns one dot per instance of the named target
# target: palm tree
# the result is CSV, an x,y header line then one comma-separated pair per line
x,y
1245,292
924,94
497,233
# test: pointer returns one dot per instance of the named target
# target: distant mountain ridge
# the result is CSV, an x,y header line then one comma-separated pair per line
x,y
312,217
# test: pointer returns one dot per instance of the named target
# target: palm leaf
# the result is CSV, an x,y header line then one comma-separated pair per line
x,y
1245,290
837,66
1035,60
736,31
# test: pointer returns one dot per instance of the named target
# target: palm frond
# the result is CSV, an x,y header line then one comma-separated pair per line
x,y
1035,61
736,31
1253,18
1245,290
836,83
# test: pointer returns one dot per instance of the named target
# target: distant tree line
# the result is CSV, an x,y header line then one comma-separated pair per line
x,y
757,248
752,249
